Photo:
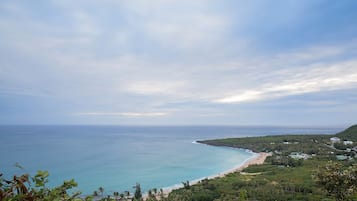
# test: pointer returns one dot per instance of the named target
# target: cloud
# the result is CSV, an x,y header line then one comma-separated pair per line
x,y
13,8
123,114
245,96
154,87
188,32
323,78
135,55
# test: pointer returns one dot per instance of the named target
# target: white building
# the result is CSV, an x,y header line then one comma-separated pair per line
x,y
335,140
298,155
347,142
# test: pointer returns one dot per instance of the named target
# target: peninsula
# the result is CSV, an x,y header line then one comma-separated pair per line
x,y
296,170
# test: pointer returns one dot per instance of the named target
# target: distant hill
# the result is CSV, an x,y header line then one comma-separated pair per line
x,y
349,134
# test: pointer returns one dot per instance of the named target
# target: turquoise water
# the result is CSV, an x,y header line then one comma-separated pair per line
x,y
116,157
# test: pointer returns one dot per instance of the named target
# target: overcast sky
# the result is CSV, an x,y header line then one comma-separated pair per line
x,y
178,62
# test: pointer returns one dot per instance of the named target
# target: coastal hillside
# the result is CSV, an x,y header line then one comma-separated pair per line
x,y
310,144
302,167
349,134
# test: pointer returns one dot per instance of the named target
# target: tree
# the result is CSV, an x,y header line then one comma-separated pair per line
x,y
154,190
116,195
101,190
162,194
137,194
26,188
186,185
243,195
127,194
338,181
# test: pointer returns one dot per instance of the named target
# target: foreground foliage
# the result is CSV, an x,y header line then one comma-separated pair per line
x,y
26,188
315,180
338,180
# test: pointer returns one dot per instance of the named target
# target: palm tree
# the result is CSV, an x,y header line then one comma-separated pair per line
x,y
161,194
137,194
101,190
127,194
95,193
116,195
186,185
121,196
150,194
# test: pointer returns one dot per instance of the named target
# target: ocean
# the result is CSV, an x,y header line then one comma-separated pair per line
x,y
118,157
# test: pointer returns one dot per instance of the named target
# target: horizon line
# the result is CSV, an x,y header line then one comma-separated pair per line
x,y
190,125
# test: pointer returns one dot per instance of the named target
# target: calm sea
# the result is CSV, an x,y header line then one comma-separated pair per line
x,y
116,157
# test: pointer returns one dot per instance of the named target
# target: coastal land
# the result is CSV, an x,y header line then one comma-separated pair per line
x,y
294,167
256,159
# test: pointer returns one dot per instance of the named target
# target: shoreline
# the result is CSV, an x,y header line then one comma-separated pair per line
x,y
256,159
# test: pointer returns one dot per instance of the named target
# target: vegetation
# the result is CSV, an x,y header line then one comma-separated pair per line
x,y
137,194
24,188
309,144
266,182
283,177
349,134
339,181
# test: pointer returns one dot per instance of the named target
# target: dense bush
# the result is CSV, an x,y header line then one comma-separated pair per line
x,y
26,188
339,180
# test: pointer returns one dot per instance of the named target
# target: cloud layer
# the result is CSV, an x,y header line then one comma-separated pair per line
x,y
176,62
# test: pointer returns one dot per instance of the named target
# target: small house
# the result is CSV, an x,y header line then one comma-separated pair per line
x,y
341,157
347,142
298,155
335,140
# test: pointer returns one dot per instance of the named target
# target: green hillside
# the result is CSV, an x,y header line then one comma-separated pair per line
x,y
349,134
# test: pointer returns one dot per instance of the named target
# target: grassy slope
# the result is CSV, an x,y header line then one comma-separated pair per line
x,y
349,134
263,182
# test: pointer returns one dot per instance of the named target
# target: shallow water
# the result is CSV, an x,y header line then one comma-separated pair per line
x,y
116,157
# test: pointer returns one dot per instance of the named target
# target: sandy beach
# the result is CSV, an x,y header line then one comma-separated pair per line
x,y
257,159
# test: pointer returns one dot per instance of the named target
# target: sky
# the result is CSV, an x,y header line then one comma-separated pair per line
x,y
178,62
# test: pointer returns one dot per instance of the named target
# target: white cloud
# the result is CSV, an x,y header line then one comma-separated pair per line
x,y
152,54
245,96
188,32
13,7
123,114
323,78
313,53
85,24
154,87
